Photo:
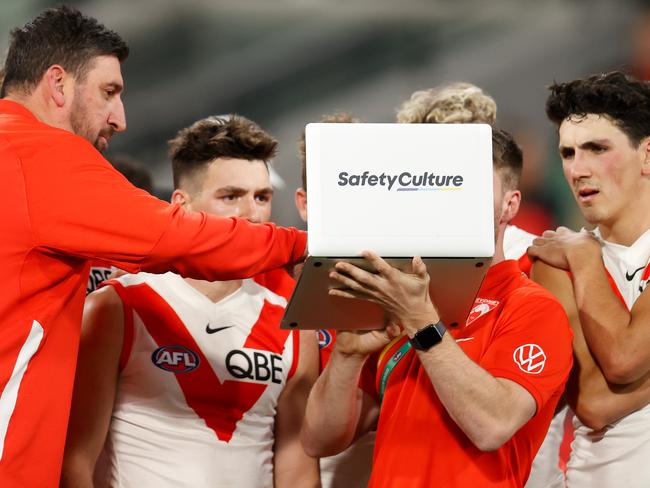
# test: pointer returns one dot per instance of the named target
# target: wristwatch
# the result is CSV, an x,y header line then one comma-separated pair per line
x,y
428,336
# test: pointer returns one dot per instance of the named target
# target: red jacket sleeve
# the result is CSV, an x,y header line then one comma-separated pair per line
x,y
79,205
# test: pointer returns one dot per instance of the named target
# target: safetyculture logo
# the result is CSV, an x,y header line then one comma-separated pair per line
x,y
405,181
530,358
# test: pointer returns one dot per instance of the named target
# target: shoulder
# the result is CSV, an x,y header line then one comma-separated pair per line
x,y
279,281
530,300
103,313
266,291
516,241
102,299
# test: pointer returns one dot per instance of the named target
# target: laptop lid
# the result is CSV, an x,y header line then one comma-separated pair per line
x,y
400,189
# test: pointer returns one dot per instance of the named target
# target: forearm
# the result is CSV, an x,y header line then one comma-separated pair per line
x,y
604,319
334,406
473,397
202,246
76,472
598,403
293,469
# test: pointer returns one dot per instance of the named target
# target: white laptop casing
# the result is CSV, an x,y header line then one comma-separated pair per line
x,y
400,189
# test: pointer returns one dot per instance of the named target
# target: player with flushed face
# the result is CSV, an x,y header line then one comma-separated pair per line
x,y
230,188
602,167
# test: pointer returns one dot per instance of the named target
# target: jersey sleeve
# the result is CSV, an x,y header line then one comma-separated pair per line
x,y
79,205
532,345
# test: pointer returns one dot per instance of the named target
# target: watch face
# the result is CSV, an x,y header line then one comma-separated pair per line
x,y
428,336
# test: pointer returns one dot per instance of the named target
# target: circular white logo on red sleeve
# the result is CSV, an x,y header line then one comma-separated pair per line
x,y
530,358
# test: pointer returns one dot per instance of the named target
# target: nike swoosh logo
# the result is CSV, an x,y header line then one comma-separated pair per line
x,y
629,277
465,339
216,329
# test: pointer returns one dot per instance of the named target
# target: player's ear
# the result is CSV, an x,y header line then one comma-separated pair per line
x,y
645,147
181,197
511,202
300,198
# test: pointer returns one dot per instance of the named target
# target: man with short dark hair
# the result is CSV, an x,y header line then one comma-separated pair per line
x,y
601,276
458,407
62,101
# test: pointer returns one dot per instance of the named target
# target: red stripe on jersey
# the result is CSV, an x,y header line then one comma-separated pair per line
x,y
615,289
266,334
646,273
220,405
278,281
127,341
567,439
296,353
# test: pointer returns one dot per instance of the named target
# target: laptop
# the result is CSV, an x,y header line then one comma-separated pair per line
x,y
400,190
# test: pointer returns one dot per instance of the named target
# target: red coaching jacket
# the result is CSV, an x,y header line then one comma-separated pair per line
x,y
64,205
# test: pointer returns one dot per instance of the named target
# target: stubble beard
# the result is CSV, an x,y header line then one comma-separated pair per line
x,y
81,125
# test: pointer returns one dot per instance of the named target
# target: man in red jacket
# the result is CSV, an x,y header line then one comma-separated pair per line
x,y
67,205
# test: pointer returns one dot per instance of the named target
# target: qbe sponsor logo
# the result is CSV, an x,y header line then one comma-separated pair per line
x,y
175,358
530,358
405,181
261,366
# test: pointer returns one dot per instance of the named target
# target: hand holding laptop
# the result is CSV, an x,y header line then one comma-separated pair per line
x,y
404,295
362,343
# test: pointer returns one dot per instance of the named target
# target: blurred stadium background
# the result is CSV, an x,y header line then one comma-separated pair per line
x,y
283,63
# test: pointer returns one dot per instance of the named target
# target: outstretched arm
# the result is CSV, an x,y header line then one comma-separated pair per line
x,y
135,231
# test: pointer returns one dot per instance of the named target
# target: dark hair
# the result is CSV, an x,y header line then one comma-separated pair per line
x,y
231,136
507,158
616,95
335,118
63,36
133,171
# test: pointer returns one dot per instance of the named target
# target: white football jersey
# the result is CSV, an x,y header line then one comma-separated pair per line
x,y
545,471
516,241
198,387
618,454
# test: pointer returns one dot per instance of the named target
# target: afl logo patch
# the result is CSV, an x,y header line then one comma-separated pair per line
x,y
175,358
324,338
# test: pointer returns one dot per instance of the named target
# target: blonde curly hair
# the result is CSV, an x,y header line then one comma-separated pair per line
x,y
455,103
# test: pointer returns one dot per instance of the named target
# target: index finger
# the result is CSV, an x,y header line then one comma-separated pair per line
x,y
378,263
